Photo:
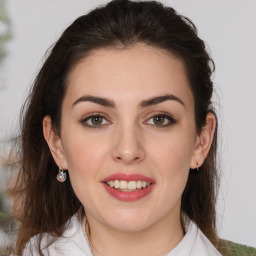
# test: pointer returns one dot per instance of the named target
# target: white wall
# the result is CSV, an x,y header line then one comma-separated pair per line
x,y
229,28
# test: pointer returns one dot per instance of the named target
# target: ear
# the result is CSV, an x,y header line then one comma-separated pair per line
x,y
55,143
203,141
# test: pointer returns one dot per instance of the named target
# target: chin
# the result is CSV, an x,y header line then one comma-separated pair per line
x,y
128,221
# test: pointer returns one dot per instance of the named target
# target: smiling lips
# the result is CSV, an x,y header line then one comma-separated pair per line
x,y
128,187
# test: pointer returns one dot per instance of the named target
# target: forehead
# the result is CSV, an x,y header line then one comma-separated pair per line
x,y
138,71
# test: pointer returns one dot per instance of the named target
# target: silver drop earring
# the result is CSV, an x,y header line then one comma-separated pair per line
x,y
61,176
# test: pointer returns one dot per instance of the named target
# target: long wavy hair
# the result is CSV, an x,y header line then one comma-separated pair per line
x,y
45,205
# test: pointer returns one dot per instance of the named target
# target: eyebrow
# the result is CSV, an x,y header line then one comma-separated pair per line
x,y
145,103
98,100
159,99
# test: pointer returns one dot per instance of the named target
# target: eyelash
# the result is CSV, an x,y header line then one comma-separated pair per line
x,y
167,118
98,115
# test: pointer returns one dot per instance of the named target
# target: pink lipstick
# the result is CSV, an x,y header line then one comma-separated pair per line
x,y
128,187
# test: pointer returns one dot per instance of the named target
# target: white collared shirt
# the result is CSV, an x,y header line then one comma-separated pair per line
x,y
74,243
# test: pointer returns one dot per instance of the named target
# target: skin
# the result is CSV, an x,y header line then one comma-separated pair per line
x,y
129,140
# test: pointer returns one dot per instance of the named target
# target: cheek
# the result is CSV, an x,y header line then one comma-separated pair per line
x,y
85,154
171,157
172,153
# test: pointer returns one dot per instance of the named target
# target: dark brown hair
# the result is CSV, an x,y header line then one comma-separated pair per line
x,y
47,204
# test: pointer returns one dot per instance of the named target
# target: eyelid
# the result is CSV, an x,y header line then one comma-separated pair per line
x,y
168,116
94,114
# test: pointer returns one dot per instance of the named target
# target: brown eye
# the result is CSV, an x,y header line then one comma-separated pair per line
x,y
161,120
95,121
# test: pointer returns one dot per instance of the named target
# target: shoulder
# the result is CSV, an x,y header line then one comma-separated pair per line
x,y
72,242
234,249
202,245
228,248
194,243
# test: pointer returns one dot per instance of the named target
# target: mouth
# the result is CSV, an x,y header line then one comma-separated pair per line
x,y
128,187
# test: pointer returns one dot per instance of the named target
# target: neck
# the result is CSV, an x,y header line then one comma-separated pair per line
x,y
155,240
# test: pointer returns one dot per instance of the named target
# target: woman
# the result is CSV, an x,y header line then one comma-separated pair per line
x,y
119,139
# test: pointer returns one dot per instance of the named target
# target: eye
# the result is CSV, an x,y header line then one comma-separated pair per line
x,y
161,120
95,121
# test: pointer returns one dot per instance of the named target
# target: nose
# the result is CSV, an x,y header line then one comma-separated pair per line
x,y
128,146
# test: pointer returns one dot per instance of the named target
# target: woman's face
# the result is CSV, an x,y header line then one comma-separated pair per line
x,y
128,122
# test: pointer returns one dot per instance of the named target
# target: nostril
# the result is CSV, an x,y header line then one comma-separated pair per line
x,y
130,159
128,156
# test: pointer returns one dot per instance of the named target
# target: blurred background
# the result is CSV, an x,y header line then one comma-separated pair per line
x,y
28,28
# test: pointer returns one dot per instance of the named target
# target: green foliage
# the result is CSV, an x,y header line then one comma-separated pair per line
x,y
240,250
4,29
4,215
1,204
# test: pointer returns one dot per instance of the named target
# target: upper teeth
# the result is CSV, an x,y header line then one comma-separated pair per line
x,y
122,184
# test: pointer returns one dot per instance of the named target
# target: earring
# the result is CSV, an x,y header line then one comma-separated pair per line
x,y
61,176
197,168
